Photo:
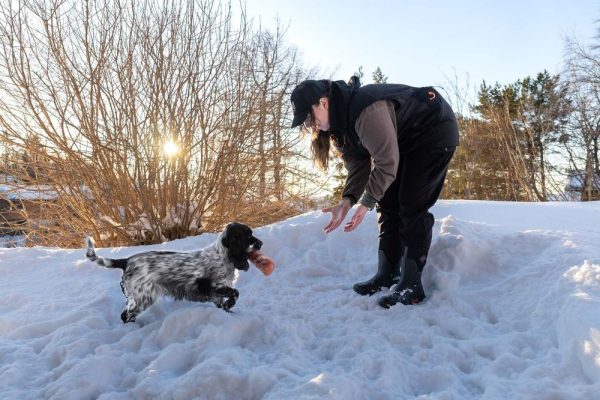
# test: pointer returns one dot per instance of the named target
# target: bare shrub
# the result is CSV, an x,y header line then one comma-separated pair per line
x,y
93,91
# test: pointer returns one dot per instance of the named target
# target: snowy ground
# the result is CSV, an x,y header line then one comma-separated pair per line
x,y
12,241
513,312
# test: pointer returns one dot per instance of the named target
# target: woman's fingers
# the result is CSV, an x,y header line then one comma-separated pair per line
x,y
356,219
328,225
350,226
338,214
333,224
331,221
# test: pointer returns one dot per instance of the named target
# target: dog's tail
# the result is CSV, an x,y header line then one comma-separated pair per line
x,y
90,253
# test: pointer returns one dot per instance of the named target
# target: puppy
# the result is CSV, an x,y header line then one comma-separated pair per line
x,y
204,275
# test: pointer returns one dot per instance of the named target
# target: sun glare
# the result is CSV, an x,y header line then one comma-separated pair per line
x,y
171,148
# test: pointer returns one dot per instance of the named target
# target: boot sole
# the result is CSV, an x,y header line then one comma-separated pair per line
x,y
385,303
366,292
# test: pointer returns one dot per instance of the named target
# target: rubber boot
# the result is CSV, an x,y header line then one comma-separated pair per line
x,y
410,289
387,275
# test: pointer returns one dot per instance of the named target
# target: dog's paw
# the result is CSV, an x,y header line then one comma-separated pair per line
x,y
127,317
228,305
231,294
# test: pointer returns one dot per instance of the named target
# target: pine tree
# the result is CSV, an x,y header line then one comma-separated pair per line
x,y
379,77
527,115
339,178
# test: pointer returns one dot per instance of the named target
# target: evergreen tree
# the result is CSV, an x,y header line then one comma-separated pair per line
x,y
339,177
527,116
379,77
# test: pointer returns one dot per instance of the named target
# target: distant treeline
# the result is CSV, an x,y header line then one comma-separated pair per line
x,y
533,140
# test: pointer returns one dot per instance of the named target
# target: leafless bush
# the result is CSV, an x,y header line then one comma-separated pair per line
x,y
582,134
93,91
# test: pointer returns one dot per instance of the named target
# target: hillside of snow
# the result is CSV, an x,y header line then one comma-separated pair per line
x,y
513,312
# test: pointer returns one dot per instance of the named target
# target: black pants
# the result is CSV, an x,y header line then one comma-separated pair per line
x,y
403,212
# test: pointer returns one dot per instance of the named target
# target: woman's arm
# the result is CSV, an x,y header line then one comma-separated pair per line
x,y
376,129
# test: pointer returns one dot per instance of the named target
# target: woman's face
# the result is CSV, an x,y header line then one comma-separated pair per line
x,y
319,116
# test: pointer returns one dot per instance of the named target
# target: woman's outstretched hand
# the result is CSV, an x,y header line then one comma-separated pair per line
x,y
338,213
357,218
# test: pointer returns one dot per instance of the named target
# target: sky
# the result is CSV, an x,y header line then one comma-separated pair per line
x,y
426,42
512,312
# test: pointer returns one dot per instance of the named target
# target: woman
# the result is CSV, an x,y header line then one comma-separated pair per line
x,y
396,142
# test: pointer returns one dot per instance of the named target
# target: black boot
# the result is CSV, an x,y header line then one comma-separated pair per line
x,y
410,289
387,275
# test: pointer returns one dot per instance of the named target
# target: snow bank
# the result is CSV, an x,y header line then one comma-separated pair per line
x,y
512,312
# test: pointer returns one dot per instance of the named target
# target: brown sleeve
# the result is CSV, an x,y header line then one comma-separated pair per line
x,y
357,177
376,129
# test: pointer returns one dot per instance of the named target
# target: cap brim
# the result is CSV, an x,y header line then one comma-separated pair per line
x,y
299,118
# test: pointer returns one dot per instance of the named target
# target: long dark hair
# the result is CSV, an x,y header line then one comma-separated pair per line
x,y
320,143
320,147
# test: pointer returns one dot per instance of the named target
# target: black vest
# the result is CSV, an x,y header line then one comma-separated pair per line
x,y
423,117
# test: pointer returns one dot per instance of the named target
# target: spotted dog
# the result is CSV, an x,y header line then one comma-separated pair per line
x,y
204,275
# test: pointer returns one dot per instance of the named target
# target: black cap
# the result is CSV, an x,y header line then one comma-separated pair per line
x,y
304,96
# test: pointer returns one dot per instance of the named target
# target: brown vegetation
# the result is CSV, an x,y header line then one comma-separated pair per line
x,y
92,91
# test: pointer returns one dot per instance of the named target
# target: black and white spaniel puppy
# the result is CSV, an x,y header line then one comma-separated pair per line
x,y
204,275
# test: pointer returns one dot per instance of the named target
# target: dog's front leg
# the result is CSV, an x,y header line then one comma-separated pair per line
x,y
230,293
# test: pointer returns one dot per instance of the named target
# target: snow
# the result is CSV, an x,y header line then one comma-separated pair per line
x,y
575,181
15,192
513,312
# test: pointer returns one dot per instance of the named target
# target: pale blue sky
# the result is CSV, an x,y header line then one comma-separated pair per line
x,y
423,42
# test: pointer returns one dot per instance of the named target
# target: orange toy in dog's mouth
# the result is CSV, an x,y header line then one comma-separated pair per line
x,y
262,262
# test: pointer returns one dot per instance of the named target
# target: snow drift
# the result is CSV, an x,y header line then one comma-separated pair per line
x,y
513,311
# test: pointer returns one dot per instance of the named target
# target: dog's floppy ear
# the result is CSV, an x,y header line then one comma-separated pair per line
x,y
236,243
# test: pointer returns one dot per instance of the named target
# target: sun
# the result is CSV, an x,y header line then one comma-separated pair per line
x,y
171,148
